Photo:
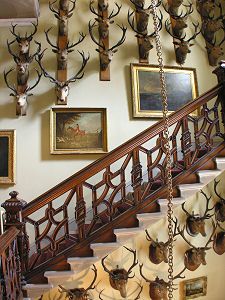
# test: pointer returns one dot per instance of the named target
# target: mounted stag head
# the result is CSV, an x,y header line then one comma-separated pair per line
x,y
179,22
103,5
219,241
106,55
62,54
146,39
143,16
195,256
220,206
62,87
205,7
119,277
24,41
80,293
158,251
21,97
23,65
63,19
214,51
182,45
173,6
195,224
158,288
103,26
210,26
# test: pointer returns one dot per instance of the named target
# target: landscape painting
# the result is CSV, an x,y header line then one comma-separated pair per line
x,y
7,156
193,288
181,85
78,130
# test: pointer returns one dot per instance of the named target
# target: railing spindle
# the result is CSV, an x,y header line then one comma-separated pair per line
x,y
80,212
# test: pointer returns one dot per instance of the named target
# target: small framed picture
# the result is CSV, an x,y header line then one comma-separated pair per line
x,y
181,85
78,130
7,156
193,288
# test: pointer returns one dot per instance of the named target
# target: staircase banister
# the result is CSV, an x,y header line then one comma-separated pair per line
x,y
7,238
117,153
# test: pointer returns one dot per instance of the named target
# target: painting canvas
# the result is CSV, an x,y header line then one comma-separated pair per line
x,y
7,156
78,130
193,288
181,87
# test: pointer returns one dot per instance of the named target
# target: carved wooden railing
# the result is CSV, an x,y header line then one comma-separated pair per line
x,y
122,182
10,270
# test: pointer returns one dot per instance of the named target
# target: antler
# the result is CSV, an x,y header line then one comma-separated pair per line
x,y
196,32
134,261
31,57
51,7
104,267
207,209
141,289
91,26
15,57
217,194
112,14
181,232
211,236
17,36
6,81
80,73
91,287
167,26
122,40
28,89
148,237
48,40
73,6
186,212
81,38
30,37
180,16
147,280
179,274
93,10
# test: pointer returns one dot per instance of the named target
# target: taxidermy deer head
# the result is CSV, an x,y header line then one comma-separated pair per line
x,y
158,288
182,45
103,23
80,293
136,298
62,54
119,277
205,7
173,6
219,241
220,206
158,251
64,5
63,19
195,256
24,41
106,54
146,39
62,87
214,51
21,97
195,224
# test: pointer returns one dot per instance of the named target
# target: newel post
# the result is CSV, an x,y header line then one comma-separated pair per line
x,y
13,217
220,73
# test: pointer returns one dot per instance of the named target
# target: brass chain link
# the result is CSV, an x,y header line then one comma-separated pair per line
x,y
167,146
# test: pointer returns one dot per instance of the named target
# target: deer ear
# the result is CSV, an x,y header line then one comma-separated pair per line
x,y
176,43
115,50
57,17
30,94
54,50
12,95
70,51
70,15
191,45
97,50
111,22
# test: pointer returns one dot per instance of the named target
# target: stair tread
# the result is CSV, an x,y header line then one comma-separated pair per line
x,y
82,259
191,186
59,273
176,200
209,172
128,230
152,215
105,245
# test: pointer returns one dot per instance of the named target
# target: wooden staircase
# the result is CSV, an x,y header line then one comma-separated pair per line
x,y
126,190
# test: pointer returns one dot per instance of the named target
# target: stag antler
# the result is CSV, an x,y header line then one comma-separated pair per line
x,y
215,187
122,40
207,209
112,14
91,26
147,280
179,274
65,291
134,261
180,16
195,33
29,88
91,287
7,83
15,57
211,236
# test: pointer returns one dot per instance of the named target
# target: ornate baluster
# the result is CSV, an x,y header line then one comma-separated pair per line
x,y
136,176
13,208
186,143
80,212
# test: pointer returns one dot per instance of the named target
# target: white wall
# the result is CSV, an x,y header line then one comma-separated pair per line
x,y
37,170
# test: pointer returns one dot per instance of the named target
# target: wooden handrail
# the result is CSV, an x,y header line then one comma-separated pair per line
x,y
7,238
117,153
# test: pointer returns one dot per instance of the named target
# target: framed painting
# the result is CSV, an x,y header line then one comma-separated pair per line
x,y
78,130
193,288
7,156
146,91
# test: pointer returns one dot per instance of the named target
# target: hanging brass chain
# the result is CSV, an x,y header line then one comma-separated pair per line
x,y
167,146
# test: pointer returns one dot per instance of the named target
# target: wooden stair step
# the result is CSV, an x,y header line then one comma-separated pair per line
x,y
57,277
102,249
220,162
187,190
78,264
124,234
36,290
205,176
147,219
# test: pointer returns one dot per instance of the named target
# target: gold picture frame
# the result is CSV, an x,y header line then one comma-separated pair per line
x,y
193,288
78,130
181,88
7,156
